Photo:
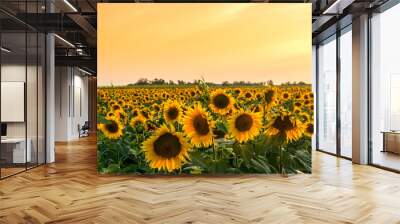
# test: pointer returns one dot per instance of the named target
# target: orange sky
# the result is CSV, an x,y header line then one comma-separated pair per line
x,y
235,41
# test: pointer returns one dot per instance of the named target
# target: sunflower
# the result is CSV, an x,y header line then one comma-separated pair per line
x,y
269,98
166,149
245,125
307,102
309,129
116,107
111,103
112,129
285,95
221,102
296,110
110,114
172,111
237,91
198,126
247,95
297,104
138,120
286,126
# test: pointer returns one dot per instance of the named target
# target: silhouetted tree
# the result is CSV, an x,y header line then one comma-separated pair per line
x,y
142,81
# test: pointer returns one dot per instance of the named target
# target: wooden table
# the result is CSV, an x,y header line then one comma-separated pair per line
x,y
13,150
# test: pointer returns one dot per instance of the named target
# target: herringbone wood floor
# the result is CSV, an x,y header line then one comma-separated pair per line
x,y
70,191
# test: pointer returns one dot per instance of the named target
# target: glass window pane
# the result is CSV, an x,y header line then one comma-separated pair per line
x,y
13,85
327,96
385,89
346,94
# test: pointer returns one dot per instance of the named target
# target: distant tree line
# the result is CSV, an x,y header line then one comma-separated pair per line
x,y
157,81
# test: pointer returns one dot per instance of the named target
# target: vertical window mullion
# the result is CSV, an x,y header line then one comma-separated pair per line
x,y
26,87
316,105
338,74
37,90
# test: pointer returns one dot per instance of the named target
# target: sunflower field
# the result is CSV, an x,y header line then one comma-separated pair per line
x,y
202,129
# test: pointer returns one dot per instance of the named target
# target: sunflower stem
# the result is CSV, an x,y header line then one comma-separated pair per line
x,y
264,114
280,158
213,146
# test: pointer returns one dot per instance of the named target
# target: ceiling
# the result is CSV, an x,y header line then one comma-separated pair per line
x,y
75,22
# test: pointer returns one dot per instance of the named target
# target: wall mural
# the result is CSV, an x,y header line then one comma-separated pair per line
x,y
204,88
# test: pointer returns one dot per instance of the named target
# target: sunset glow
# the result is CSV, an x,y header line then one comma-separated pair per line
x,y
220,42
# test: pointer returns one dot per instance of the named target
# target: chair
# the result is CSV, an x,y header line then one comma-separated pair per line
x,y
84,130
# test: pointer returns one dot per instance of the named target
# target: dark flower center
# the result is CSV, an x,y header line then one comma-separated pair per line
x,y
167,146
248,95
172,113
201,125
112,127
285,95
243,122
283,123
221,101
115,107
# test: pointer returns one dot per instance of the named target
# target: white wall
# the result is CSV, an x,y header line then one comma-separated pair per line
x,y
71,102
62,82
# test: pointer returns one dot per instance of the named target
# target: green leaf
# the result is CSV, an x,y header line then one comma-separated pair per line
x,y
198,160
113,168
